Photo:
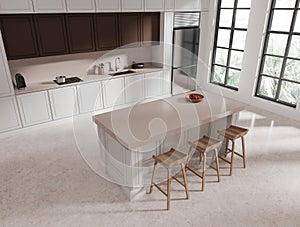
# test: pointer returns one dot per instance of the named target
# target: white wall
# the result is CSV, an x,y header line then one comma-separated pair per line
x,y
250,66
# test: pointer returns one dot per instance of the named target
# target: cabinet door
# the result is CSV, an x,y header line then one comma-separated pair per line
x,y
150,28
6,87
63,102
19,36
204,5
80,5
90,97
169,5
134,88
52,6
52,36
154,5
113,94
80,32
106,30
187,5
130,29
132,5
108,5
34,108
16,6
153,84
9,115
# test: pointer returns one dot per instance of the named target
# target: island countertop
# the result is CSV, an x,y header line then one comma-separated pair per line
x,y
143,123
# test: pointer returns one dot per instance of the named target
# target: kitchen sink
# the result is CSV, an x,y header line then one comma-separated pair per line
x,y
128,71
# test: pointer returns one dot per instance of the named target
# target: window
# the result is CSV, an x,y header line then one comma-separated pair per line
x,y
231,30
279,76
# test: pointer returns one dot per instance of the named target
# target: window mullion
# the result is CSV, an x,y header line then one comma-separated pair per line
x,y
287,49
230,41
271,14
215,41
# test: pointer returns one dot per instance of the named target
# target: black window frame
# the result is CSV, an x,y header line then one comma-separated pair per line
x,y
232,28
285,57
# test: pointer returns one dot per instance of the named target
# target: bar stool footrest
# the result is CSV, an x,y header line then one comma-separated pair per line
x,y
195,172
238,154
224,159
160,189
178,181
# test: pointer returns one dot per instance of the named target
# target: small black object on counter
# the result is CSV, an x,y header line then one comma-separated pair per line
x,y
138,65
20,81
69,80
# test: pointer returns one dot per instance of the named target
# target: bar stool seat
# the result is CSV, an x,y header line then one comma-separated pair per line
x,y
232,133
169,160
204,145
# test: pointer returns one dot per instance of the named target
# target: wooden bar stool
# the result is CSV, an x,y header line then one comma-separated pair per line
x,y
203,146
169,160
232,133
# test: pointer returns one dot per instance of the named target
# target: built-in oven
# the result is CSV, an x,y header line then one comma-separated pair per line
x,y
186,35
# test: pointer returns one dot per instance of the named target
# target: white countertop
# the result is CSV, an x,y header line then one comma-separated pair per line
x,y
46,85
144,123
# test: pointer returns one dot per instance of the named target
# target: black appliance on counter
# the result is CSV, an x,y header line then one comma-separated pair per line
x,y
186,37
69,80
20,81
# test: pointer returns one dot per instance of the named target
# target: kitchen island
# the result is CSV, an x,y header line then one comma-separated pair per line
x,y
129,137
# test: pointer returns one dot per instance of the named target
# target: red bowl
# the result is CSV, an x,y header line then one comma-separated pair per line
x,y
194,97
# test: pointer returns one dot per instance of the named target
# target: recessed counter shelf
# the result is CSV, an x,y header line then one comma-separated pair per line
x,y
130,136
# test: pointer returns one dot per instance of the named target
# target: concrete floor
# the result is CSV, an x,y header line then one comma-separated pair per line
x,y
45,182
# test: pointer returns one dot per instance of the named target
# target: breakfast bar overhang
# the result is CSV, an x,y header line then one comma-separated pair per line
x,y
130,136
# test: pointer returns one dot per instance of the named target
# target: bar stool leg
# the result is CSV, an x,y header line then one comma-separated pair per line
x,y
189,156
152,179
203,171
226,147
244,153
217,165
200,158
232,155
185,181
169,189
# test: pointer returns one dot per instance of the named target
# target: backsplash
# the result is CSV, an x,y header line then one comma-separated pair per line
x,y
44,69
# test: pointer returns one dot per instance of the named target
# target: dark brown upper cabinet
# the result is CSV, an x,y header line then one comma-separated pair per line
x,y
19,36
52,35
150,28
80,32
38,35
106,31
130,29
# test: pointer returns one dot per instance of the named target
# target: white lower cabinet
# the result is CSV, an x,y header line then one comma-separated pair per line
x,y
134,88
9,114
80,6
154,5
187,5
34,108
113,92
63,102
16,6
90,97
46,6
108,5
153,84
169,5
132,5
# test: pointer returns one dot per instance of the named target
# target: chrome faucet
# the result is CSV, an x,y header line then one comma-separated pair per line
x,y
117,63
